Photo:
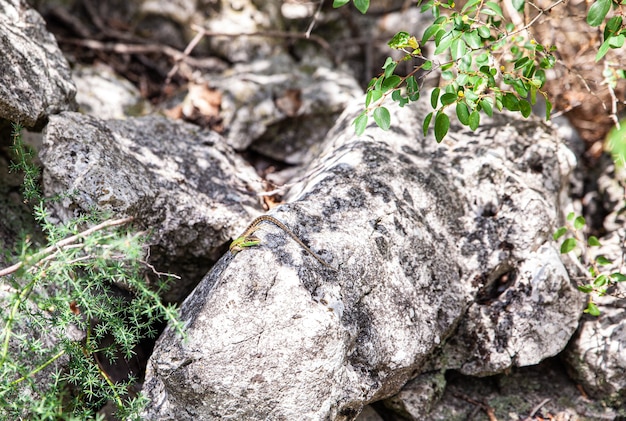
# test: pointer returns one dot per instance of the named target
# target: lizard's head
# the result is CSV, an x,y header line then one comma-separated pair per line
x,y
240,243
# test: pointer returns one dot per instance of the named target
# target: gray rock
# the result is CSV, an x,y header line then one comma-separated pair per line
x,y
104,94
183,184
282,108
418,396
369,414
537,392
239,17
597,353
35,78
421,233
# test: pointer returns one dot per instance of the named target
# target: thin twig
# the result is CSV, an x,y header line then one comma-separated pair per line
x,y
271,34
126,48
315,18
67,241
486,408
536,409
541,13
614,101
192,44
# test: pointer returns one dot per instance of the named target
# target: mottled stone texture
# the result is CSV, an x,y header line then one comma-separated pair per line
x,y
184,185
424,235
35,78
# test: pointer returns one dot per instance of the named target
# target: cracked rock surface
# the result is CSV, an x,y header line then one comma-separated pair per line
x,y
424,235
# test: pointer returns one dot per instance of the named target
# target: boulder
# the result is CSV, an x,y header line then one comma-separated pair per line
x,y
423,236
281,108
183,184
35,79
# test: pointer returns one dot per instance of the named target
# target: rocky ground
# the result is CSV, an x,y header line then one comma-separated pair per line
x,y
142,44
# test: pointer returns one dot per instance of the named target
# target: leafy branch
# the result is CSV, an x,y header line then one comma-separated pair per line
x,y
598,280
491,64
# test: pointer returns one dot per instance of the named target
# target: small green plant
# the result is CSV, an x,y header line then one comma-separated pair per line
x,y
598,281
616,143
486,62
67,307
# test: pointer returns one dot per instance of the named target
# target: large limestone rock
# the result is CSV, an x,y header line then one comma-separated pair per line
x,y
424,236
183,184
35,78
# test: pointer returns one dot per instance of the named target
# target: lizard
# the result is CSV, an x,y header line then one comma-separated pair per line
x,y
247,239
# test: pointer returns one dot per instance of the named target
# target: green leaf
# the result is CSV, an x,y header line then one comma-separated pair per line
x,y
473,39
522,62
372,95
470,3
612,26
598,11
427,65
559,233
510,102
448,98
339,3
486,106
426,123
604,48
411,84
603,261
360,123
498,97
585,288
447,75
362,5
462,113
618,277
571,216
430,32
617,41
470,94
434,97
444,43
579,222
547,62
389,66
494,6
548,109
592,309
525,108
616,143
600,281
474,120
568,245
382,118
520,86
442,124
592,241
518,5
484,32
399,40
458,49
391,82
397,96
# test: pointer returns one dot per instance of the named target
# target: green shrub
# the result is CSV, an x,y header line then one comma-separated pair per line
x,y
67,307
